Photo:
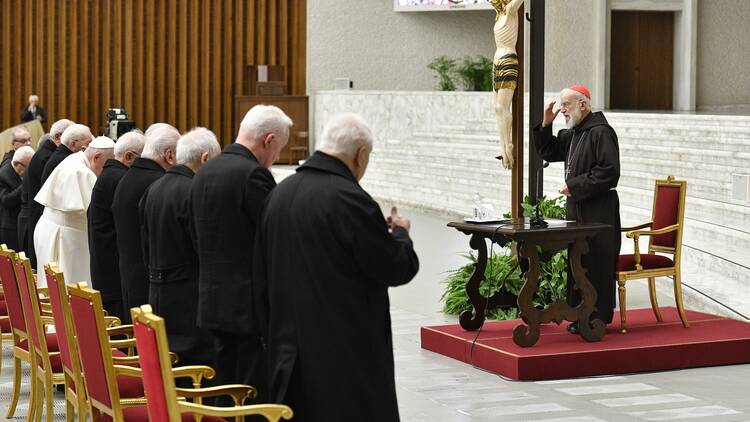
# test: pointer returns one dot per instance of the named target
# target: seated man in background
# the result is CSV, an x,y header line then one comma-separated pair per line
x,y
168,235
325,257
10,195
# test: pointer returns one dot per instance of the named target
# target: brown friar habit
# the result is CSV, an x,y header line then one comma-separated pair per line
x,y
326,260
592,168
168,235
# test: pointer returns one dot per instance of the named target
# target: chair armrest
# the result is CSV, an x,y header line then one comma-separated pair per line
x,y
124,330
638,227
47,320
130,371
112,321
272,411
238,392
43,291
195,372
122,344
635,233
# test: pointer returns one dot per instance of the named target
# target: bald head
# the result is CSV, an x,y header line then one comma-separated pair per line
x,y
129,147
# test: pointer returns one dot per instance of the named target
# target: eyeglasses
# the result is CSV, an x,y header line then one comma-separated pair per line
x,y
568,104
22,141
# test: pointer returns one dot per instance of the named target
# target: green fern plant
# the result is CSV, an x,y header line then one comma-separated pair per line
x,y
445,68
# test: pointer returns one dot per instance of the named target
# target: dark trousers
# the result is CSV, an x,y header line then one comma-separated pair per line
x,y
10,238
239,358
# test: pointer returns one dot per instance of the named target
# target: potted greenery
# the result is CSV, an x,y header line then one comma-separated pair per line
x,y
445,68
475,74
501,272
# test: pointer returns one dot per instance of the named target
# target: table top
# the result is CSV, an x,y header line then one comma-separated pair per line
x,y
523,228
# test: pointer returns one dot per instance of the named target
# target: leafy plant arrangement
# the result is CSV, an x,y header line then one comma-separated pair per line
x,y
445,68
502,272
475,74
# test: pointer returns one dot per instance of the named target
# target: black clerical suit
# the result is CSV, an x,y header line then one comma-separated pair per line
x,y
168,237
592,167
105,270
10,206
227,195
7,158
32,182
324,262
128,193
62,152
27,115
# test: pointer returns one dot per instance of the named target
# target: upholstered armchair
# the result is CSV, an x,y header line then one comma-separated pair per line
x,y
664,233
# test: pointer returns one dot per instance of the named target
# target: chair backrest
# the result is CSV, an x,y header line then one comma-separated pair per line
x,y
11,293
58,297
153,350
669,209
31,310
94,350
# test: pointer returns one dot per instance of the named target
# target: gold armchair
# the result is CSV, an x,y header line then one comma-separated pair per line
x,y
665,237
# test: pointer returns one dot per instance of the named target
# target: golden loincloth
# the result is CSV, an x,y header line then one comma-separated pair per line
x,y
505,72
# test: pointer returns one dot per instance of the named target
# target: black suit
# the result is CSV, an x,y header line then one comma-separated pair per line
x,y
128,194
27,115
57,157
227,195
10,205
324,262
7,158
32,182
105,270
169,249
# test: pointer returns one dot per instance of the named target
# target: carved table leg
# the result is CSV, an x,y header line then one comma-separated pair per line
x,y
471,321
590,330
527,335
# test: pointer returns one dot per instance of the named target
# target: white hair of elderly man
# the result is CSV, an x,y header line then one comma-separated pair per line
x,y
344,134
75,132
131,141
263,119
195,143
159,138
57,128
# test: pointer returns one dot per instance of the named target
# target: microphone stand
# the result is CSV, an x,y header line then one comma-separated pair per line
x,y
538,221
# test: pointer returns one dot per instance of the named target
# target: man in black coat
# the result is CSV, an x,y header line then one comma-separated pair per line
x,y
32,182
105,270
589,148
71,141
160,141
227,195
33,111
169,248
326,257
21,137
10,195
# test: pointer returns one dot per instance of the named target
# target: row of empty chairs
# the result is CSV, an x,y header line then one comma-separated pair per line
x,y
92,355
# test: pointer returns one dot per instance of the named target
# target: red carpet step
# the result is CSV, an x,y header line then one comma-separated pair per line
x,y
647,346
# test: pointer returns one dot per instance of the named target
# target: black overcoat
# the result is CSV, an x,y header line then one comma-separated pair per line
x,y
57,157
227,195
10,206
32,182
168,235
7,158
27,115
326,260
128,193
592,161
105,270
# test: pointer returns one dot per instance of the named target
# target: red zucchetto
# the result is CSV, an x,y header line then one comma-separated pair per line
x,y
582,89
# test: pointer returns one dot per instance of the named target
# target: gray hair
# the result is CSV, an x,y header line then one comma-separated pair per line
x,y
59,127
21,153
193,144
579,96
159,138
263,119
345,134
75,132
19,132
131,141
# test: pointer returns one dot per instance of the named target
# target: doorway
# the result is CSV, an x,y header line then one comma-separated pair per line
x,y
642,60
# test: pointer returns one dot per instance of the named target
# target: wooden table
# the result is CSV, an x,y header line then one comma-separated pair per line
x,y
550,239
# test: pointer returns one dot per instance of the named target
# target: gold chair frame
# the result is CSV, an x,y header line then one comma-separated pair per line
x,y
639,272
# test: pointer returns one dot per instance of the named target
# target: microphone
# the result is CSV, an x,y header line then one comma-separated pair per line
x,y
538,220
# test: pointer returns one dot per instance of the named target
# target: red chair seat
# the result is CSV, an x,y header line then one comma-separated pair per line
x,y
140,414
52,345
648,262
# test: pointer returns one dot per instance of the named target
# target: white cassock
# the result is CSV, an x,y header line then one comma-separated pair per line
x,y
61,235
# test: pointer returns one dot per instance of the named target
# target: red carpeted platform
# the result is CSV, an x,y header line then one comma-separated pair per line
x,y
648,346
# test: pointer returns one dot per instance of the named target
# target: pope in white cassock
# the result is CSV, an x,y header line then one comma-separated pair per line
x,y
61,235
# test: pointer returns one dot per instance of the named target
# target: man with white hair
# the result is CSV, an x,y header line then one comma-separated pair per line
x,y
32,182
169,247
227,195
20,137
105,270
33,111
10,195
61,235
158,155
588,146
75,138
325,258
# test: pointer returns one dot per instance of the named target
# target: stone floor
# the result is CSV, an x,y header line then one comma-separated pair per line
x,y
435,388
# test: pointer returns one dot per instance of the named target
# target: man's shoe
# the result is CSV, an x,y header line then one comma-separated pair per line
x,y
573,328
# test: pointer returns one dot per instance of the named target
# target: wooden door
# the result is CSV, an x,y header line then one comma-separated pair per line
x,y
642,60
